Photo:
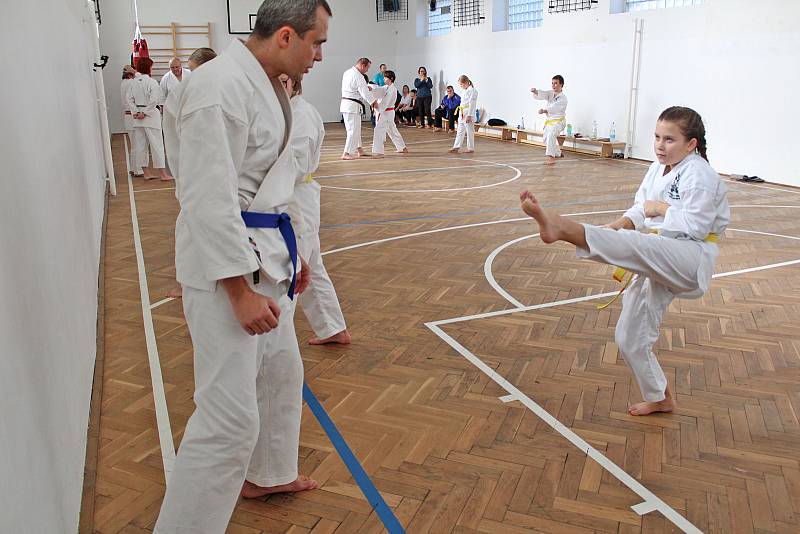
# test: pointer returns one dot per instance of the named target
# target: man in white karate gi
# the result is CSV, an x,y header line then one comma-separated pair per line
x,y
173,78
234,258
355,91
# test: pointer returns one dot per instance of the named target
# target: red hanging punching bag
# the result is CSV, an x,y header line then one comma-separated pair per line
x,y
139,48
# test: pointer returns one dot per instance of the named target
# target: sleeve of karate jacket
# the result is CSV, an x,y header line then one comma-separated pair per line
x,y
696,215
543,94
636,212
209,192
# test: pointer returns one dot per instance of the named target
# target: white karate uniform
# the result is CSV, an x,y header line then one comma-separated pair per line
x,y
556,120
319,301
125,88
386,97
169,82
233,126
353,86
143,97
676,262
469,108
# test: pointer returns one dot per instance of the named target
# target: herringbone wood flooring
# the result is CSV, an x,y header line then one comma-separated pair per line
x,y
427,425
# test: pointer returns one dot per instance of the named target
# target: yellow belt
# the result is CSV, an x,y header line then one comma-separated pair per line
x,y
620,273
309,179
552,122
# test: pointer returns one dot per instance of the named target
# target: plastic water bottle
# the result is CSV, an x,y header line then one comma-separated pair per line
x,y
477,115
522,122
613,133
569,130
594,130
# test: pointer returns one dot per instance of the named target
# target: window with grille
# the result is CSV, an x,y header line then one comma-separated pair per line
x,y
391,10
642,5
568,6
525,14
468,13
440,20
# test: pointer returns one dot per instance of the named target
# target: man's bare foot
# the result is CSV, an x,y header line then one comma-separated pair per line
x,y
175,293
348,156
150,177
165,176
404,151
360,151
468,152
453,151
342,338
549,223
377,156
646,408
550,160
303,483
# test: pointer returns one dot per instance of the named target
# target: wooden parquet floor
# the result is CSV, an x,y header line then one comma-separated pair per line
x,y
427,425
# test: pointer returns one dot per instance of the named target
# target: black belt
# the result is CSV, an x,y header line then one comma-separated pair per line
x,y
359,102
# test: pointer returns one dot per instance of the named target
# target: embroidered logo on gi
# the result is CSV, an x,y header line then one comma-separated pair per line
x,y
674,194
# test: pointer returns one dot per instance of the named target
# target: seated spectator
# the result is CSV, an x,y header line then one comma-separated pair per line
x,y
408,107
448,108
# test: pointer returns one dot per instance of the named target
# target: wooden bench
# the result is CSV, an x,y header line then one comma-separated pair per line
x,y
579,144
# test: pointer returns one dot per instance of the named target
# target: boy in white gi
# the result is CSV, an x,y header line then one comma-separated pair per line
x,y
384,106
319,301
667,240
235,256
355,91
556,111
469,110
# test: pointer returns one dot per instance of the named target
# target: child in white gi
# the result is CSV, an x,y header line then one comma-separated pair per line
x,y
384,106
469,108
667,239
319,301
556,121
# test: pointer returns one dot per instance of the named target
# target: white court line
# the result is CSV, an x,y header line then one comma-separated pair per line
x,y
154,189
160,400
653,502
160,302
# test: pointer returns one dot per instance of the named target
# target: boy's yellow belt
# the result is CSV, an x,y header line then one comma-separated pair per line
x,y
552,122
620,273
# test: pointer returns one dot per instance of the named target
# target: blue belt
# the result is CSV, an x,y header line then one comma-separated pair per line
x,y
283,223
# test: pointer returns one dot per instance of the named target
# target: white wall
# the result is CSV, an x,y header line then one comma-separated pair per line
x,y
353,33
734,61
51,210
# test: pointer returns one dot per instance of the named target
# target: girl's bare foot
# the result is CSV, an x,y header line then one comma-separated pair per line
x,y
550,160
348,156
377,156
302,483
404,151
549,223
468,152
360,151
175,293
646,408
342,338
453,151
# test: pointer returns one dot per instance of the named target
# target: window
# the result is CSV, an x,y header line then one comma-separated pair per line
x,y
525,14
468,13
391,10
641,5
440,20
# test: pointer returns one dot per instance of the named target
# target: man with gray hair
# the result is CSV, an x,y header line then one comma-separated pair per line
x,y
236,258
173,78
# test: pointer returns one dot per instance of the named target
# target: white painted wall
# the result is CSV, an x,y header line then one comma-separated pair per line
x,y
716,58
51,210
354,32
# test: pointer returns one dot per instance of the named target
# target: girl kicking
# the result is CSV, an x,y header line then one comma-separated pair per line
x,y
667,239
